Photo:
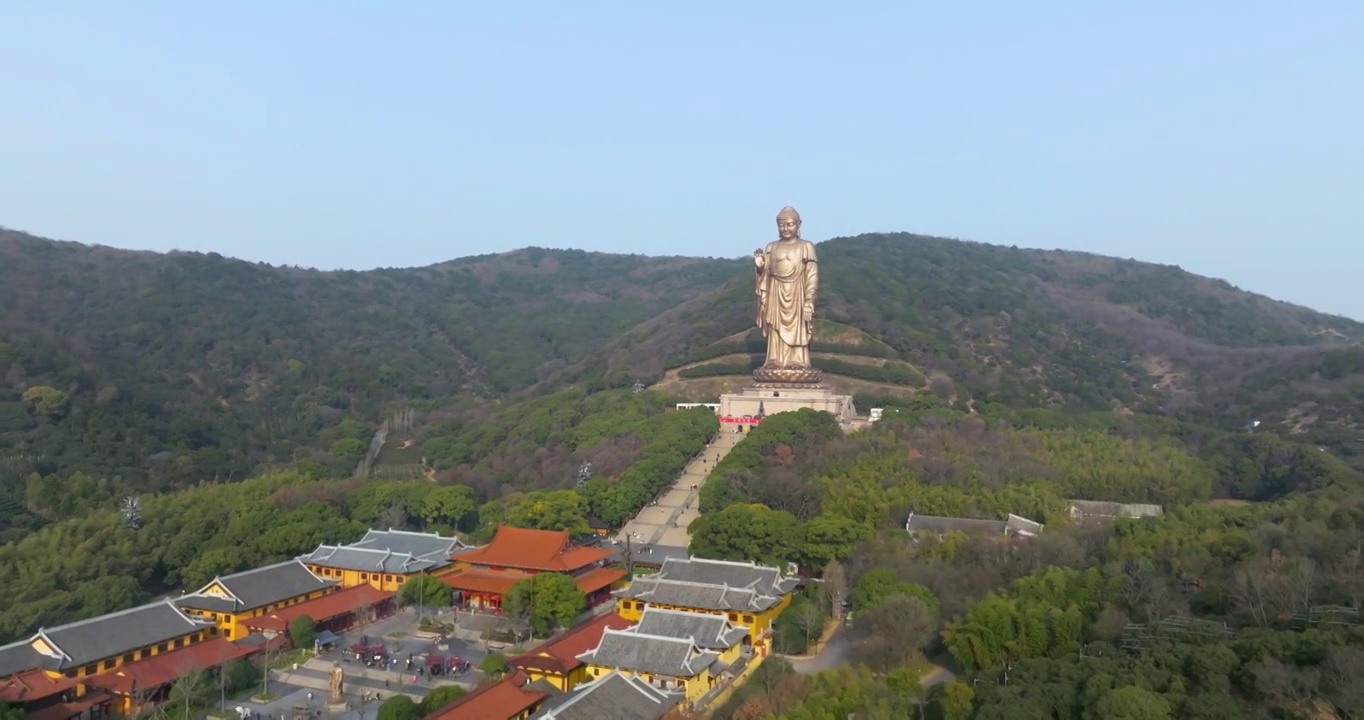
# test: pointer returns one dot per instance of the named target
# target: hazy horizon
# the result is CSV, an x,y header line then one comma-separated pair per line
x,y
1220,137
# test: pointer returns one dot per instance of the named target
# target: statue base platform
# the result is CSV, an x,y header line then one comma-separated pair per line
x,y
337,708
761,401
787,378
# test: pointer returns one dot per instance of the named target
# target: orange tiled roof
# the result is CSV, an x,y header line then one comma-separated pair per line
x,y
166,667
33,685
533,550
505,698
320,609
483,581
594,580
560,654
78,706
498,582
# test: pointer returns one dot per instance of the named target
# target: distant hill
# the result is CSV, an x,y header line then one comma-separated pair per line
x,y
976,323
173,369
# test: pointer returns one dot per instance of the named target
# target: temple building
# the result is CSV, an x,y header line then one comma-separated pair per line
x,y
613,695
141,684
746,594
1013,526
714,633
556,661
486,573
47,674
667,663
228,601
384,559
335,612
514,697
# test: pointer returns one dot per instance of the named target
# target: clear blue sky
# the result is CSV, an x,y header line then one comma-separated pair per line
x,y
1225,137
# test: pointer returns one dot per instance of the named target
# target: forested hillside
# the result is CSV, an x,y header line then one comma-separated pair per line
x,y
131,372
144,372
97,562
1215,610
979,324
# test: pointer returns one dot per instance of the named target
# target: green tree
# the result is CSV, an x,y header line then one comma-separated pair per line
x,y
399,707
440,697
546,599
958,700
424,590
48,402
448,505
747,532
547,510
303,632
349,449
881,583
830,538
493,665
1132,703
215,562
238,674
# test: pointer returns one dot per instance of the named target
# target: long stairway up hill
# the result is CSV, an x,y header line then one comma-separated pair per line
x,y
665,523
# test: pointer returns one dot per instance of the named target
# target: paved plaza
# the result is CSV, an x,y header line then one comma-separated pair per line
x,y
303,691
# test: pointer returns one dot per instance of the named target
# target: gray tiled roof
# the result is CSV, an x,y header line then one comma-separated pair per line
x,y
708,632
427,546
106,636
763,578
612,696
1096,509
651,654
18,657
702,596
970,526
648,555
258,588
1019,525
347,557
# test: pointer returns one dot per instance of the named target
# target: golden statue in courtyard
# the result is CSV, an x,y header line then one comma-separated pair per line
x,y
335,683
787,282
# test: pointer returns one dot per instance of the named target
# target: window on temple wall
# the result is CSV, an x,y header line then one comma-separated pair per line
x,y
128,657
388,578
90,669
161,647
748,619
109,664
734,617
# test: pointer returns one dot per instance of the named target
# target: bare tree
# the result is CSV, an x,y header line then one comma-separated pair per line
x,y
835,587
1340,674
187,687
894,631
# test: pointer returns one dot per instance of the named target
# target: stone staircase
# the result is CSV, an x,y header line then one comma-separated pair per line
x,y
666,521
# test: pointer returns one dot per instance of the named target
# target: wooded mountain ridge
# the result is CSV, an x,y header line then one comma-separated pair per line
x,y
172,369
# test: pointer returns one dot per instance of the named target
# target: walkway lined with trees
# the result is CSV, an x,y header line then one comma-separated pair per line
x,y
666,521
